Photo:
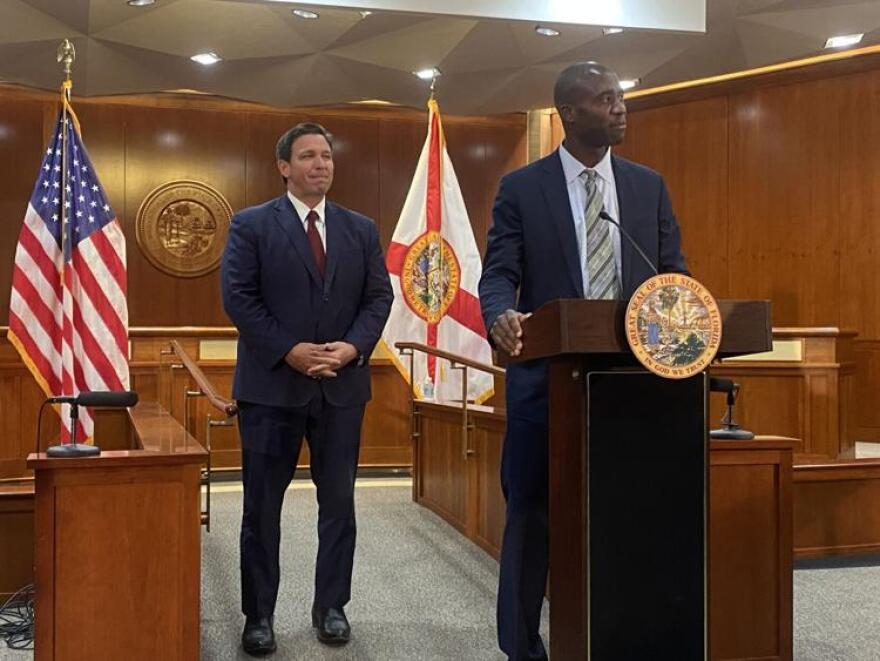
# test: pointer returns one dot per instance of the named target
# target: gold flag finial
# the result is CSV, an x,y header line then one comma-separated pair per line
x,y
66,55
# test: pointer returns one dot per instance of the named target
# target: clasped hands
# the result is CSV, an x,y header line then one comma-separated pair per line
x,y
320,360
506,331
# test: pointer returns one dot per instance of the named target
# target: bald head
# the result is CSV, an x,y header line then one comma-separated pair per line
x,y
575,78
590,103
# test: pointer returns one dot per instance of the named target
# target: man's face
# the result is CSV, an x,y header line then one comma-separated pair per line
x,y
598,115
310,169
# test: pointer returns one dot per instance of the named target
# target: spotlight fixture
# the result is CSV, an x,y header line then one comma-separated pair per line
x,y
607,31
206,59
844,40
546,32
305,13
629,83
140,3
428,74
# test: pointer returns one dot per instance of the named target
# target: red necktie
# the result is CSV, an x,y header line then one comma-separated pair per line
x,y
315,241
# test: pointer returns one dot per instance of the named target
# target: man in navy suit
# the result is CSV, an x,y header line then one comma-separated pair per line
x,y
305,283
549,240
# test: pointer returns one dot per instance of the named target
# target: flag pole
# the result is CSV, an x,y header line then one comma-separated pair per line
x,y
66,55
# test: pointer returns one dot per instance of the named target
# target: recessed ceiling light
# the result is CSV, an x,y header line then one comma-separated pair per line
x,y
365,13
305,13
206,58
607,31
844,40
428,74
140,3
547,32
629,83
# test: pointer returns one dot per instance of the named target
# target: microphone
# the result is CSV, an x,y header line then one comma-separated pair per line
x,y
604,216
111,399
108,398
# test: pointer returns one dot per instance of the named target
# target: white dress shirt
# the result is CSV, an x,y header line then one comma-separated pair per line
x,y
577,197
302,209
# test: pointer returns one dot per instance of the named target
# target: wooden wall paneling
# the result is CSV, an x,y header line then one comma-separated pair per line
x,y
11,456
400,143
488,437
385,440
859,204
688,145
835,509
21,149
866,386
163,145
784,200
750,592
443,478
504,151
17,533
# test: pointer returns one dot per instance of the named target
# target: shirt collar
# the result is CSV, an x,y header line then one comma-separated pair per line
x,y
572,168
302,209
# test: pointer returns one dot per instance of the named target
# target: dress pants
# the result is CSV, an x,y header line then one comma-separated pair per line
x,y
271,442
525,547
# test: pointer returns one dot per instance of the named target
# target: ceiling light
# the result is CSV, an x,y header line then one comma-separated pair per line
x,y
629,83
365,13
305,13
140,3
428,74
607,31
206,58
547,32
844,40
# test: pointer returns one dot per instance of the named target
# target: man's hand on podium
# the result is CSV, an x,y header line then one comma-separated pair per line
x,y
507,333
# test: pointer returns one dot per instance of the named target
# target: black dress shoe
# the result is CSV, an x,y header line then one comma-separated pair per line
x,y
332,625
258,639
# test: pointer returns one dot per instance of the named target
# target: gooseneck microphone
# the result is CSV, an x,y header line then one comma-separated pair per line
x,y
604,216
109,399
112,399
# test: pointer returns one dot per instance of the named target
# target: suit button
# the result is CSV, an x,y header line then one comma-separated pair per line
x,y
326,298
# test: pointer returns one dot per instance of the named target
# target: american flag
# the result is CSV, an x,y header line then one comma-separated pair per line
x,y
68,316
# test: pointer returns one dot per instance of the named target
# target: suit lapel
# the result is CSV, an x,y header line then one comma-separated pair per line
x,y
625,196
335,236
556,194
291,224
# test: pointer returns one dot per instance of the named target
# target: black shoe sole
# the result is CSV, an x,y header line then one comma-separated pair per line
x,y
260,651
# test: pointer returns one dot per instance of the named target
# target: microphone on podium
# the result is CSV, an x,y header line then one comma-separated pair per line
x,y
604,216
104,398
108,398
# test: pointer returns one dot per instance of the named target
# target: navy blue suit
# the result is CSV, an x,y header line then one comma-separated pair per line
x,y
532,258
277,298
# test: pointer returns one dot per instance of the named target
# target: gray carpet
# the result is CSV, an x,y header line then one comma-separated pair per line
x,y
422,593
418,591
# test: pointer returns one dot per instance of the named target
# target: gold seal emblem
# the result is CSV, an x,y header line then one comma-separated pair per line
x,y
182,227
673,326
430,276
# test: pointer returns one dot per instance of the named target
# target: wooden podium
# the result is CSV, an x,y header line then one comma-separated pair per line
x,y
628,484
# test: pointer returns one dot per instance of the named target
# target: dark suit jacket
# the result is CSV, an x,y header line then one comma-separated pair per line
x,y
532,252
275,296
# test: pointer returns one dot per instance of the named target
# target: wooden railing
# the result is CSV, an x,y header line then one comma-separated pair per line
x,y
206,389
408,350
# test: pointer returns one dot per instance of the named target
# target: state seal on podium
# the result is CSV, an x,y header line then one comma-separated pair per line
x,y
673,326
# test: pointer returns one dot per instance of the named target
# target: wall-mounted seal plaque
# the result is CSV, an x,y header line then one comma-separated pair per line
x,y
182,228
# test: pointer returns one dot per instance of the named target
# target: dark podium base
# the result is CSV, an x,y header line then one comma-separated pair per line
x,y
646,475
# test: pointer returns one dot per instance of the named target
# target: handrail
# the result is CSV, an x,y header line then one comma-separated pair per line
x,y
451,357
457,362
225,406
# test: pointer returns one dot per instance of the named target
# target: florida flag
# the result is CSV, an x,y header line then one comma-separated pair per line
x,y
435,268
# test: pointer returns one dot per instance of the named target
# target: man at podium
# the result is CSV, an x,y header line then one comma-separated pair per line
x,y
556,233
